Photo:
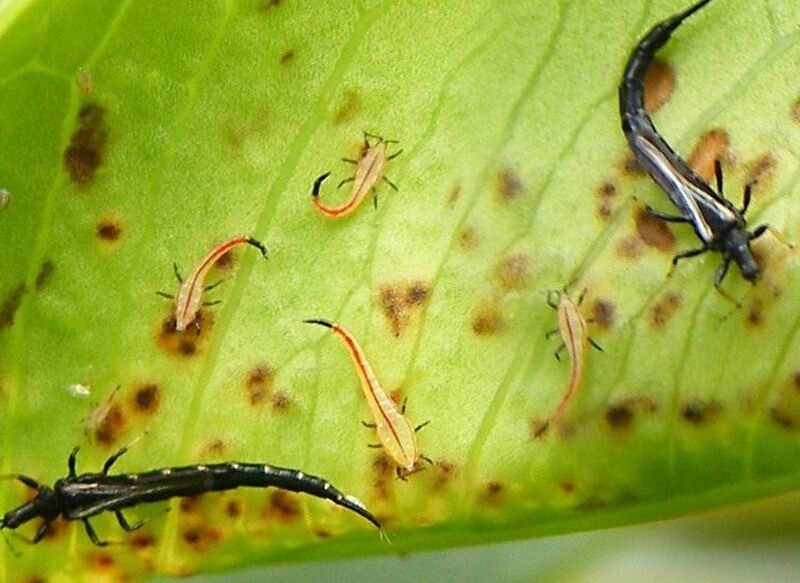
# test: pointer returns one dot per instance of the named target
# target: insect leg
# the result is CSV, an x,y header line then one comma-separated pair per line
x,y
664,217
71,462
212,303
368,424
718,174
27,480
390,183
553,295
92,534
595,344
110,461
345,181
720,275
396,154
41,532
177,272
165,295
127,526
212,286
421,426
687,254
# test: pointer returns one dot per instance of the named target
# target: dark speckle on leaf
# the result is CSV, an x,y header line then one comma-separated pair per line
x,y
85,152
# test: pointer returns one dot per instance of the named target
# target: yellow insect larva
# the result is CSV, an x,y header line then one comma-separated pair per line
x,y
370,170
188,300
575,338
397,436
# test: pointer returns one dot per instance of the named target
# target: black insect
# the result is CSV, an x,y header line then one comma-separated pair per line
x,y
719,225
79,497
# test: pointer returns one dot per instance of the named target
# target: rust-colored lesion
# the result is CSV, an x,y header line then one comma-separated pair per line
x,y
282,506
621,414
399,302
45,275
348,107
202,538
487,320
509,185
258,383
603,313
514,272
659,85
653,231
146,399
108,230
698,412
606,193
187,343
712,146
663,311
10,305
86,149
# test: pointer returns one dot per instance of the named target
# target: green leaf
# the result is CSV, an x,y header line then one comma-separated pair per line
x,y
135,135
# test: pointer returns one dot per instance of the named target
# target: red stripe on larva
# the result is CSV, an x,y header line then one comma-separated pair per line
x,y
382,403
190,293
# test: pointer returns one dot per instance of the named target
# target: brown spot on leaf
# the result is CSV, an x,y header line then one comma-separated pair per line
x,y
630,247
259,383
269,4
321,532
398,303
603,312
84,155
796,111
700,412
761,169
108,230
620,415
514,273
348,107
509,185
444,472
233,508
630,167
189,504
455,195
185,344
654,232
202,538
34,579
10,305
666,307
83,80
712,146
606,194
796,380
287,57
755,314
783,418
108,429
537,427
102,561
659,83
214,449
141,540
487,321
283,507
45,274
492,493
281,401
147,398
468,238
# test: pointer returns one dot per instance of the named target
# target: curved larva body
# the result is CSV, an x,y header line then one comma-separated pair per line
x,y
190,294
395,433
370,170
572,329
